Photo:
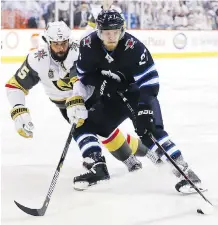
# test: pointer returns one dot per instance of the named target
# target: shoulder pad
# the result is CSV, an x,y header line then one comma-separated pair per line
x,y
39,58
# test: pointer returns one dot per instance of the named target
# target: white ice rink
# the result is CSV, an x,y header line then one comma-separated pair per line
x,y
189,100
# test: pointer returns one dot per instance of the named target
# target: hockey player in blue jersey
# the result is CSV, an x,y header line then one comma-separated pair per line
x,y
113,61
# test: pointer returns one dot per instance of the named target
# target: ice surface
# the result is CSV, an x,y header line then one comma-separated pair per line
x,y
189,101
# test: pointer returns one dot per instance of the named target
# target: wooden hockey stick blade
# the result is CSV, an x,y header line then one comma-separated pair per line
x,y
32,212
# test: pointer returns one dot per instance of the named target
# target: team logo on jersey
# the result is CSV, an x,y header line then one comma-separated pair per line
x,y
87,41
74,46
130,44
109,58
66,83
40,54
51,74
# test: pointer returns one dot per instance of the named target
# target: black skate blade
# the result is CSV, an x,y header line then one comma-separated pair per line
x,y
79,189
32,212
85,187
92,185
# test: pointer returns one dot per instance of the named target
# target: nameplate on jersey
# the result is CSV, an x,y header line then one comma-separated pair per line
x,y
109,58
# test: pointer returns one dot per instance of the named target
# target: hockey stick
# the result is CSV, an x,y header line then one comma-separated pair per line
x,y
125,100
107,4
41,211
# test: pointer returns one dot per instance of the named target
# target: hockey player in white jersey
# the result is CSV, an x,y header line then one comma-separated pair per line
x,y
53,64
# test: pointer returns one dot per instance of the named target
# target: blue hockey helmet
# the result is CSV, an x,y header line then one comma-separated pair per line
x,y
109,20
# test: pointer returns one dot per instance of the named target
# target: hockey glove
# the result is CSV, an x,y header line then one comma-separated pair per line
x,y
22,119
111,83
144,120
76,110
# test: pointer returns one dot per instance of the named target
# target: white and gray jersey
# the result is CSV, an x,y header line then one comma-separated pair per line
x,y
57,78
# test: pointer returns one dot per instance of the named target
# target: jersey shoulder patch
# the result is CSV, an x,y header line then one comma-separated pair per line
x,y
39,58
74,45
88,40
131,42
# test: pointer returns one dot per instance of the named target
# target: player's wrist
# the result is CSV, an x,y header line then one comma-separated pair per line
x,y
18,105
17,111
75,100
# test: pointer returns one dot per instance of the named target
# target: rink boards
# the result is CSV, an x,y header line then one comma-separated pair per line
x,y
162,43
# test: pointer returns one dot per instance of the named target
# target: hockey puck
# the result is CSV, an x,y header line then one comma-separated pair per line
x,y
206,209
199,211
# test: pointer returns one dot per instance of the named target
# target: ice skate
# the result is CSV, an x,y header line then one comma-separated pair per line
x,y
183,185
132,163
97,172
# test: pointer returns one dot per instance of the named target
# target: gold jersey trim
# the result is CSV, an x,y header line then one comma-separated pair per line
x,y
14,83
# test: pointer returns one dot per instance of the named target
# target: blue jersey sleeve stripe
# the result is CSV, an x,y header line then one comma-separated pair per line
x,y
148,76
151,82
147,70
79,70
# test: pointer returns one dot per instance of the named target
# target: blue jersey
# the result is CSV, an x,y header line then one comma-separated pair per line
x,y
130,57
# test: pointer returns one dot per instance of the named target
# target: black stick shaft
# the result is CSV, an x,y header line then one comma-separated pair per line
x,y
60,164
177,167
41,211
125,100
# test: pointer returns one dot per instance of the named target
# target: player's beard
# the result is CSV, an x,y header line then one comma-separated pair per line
x,y
110,46
60,57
